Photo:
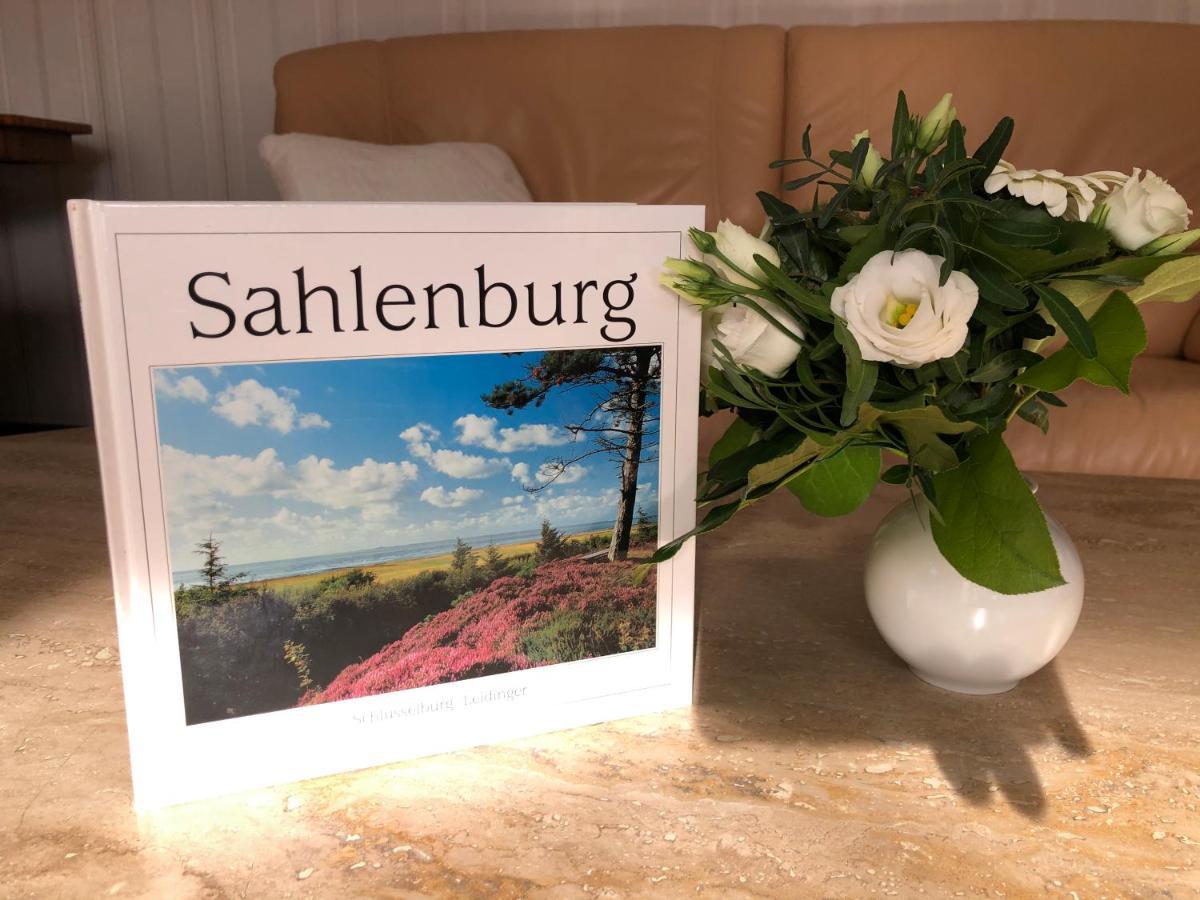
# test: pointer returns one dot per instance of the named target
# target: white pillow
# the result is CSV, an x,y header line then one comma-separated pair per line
x,y
312,167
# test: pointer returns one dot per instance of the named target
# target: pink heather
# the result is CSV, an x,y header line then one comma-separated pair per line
x,y
482,635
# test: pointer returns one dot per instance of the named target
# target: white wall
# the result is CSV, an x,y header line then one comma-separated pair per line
x,y
179,92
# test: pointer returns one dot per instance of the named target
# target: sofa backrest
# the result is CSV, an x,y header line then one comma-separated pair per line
x,y
1085,96
647,115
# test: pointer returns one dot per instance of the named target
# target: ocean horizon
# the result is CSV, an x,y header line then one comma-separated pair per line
x,y
311,565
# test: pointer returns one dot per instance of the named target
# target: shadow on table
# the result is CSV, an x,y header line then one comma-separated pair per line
x,y
800,663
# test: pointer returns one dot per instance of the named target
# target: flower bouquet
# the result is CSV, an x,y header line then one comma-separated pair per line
x,y
904,315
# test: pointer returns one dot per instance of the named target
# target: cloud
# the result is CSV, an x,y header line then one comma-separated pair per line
x,y
546,472
370,483
188,387
512,501
422,431
197,483
484,431
192,477
572,508
252,403
438,496
454,463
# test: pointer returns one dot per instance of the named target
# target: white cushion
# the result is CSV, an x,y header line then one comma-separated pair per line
x,y
311,167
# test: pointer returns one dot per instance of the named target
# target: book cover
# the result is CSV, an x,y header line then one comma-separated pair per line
x,y
381,480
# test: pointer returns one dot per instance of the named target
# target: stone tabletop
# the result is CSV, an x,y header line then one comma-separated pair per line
x,y
812,764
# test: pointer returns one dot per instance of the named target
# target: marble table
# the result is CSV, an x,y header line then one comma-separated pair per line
x,y
812,764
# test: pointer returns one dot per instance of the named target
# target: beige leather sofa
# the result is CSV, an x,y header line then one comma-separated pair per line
x,y
694,115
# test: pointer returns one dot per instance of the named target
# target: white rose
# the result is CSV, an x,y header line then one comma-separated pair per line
x,y
1143,209
898,313
750,339
740,247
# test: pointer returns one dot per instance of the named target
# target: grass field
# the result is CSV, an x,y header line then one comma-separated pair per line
x,y
405,568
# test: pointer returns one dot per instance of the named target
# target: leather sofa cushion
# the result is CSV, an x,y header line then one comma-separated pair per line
x,y
1093,433
647,115
1084,95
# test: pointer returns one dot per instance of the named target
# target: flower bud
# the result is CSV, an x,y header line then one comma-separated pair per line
x,y
703,241
872,163
690,269
936,124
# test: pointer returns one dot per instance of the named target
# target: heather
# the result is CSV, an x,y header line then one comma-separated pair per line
x,y
254,648
566,610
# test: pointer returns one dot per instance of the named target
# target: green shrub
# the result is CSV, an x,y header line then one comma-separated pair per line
x,y
354,580
575,634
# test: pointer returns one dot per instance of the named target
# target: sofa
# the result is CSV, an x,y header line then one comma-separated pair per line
x,y
686,114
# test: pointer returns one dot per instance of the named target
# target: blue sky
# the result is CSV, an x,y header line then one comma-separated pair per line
x,y
295,459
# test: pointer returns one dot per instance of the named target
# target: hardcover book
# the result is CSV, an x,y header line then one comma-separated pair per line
x,y
382,480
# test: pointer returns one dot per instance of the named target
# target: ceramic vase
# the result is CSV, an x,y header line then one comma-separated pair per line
x,y
956,634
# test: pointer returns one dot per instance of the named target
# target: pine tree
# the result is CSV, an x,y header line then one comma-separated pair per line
x,y
463,558
494,564
213,568
645,530
552,545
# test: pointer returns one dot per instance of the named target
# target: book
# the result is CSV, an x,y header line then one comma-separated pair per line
x,y
383,480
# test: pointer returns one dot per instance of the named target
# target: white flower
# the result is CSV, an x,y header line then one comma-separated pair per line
x,y
740,247
1144,208
898,313
750,339
1070,196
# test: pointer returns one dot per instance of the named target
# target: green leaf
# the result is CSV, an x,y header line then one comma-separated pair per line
x,y
860,374
782,466
738,435
838,484
857,156
1176,282
1022,232
952,171
991,150
800,182
874,241
717,516
813,304
992,530
1035,412
1002,365
994,286
731,472
1120,336
921,430
896,475
1135,267
1068,317
900,126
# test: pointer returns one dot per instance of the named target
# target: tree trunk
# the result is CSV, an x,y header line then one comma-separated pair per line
x,y
631,457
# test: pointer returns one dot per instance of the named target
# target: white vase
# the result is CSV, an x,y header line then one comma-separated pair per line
x,y
952,632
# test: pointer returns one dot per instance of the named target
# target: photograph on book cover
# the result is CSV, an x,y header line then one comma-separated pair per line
x,y
343,528
382,480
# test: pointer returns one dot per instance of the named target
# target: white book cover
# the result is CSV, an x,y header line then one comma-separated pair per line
x,y
381,480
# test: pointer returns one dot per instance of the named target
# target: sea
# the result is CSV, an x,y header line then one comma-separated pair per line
x,y
309,565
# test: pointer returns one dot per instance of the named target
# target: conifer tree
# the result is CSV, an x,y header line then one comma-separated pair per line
x,y
552,545
494,564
